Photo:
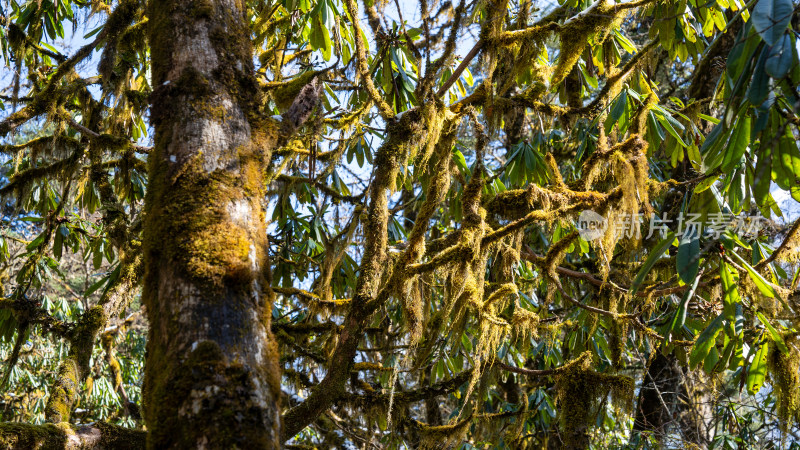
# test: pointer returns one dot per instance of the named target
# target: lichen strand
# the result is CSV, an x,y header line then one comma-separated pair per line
x,y
579,391
410,287
618,329
629,172
575,34
443,436
784,371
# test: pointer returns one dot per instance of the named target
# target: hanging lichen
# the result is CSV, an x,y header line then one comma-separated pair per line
x,y
784,370
618,328
579,391
629,173
576,33
525,325
443,436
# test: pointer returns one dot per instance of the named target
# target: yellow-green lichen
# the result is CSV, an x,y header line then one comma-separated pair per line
x,y
784,369
580,391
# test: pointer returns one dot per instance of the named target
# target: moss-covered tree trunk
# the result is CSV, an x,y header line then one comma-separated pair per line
x,y
211,378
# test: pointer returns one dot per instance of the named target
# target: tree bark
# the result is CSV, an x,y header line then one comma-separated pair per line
x,y
212,375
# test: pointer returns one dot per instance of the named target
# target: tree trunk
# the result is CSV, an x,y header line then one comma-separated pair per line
x,y
675,404
212,375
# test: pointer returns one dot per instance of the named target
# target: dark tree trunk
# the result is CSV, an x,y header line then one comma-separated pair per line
x,y
211,378
674,401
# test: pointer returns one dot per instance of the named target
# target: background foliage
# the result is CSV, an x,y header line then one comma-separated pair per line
x,y
495,323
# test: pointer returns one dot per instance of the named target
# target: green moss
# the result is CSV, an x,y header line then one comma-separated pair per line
x,y
211,249
443,436
784,370
54,436
285,94
209,390
512,204
202,9
575,36
107,340
84,335
63,392
579,394
23,436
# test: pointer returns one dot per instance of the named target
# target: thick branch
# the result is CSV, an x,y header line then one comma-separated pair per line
x,y
100,435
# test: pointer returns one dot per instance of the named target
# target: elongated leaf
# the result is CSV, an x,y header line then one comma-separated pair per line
x,y
654,255
782,172
687,261
711,360
617,110
730,291
759,85
670,129
763,285
773,333
771,17
779,61
757,370
705,341
36,242
763,177
712,148
740,139
680,315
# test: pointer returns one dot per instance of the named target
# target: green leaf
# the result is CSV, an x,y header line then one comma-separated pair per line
x,y
730,291
624,42
782,171
773,333
757,370
97,256
36,242
740,139
654,255
763,285
705,341
736,190
668,125
461,162
705,184
95,286
711,148
711,360
779,61
617,110
763,176
759,85
687,261
789,157
708,118
58,242
770,18
680,315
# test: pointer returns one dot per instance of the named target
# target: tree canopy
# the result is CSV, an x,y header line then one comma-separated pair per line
x,y
433,224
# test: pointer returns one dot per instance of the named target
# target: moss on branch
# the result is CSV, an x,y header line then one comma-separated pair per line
x,y
100,435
